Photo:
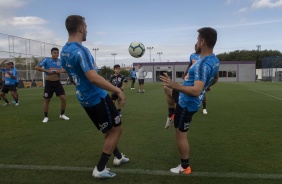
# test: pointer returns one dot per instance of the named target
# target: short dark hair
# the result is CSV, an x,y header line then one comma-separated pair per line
x,y
54,49
73,22
133,68
11,63
209,35
116,66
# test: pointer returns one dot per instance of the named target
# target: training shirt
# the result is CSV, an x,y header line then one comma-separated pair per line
x,y
133,73
142,73
117,80
194,58
16,74
9,80
76,60
50,64
204,70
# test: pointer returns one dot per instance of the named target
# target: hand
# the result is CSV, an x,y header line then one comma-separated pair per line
x,y
208,89
122,98
166,80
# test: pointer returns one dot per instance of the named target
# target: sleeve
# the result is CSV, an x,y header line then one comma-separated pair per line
x,y
201,72
43,62
85,60
111,78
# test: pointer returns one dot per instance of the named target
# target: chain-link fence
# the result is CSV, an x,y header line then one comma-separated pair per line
x,y
26,54
272,68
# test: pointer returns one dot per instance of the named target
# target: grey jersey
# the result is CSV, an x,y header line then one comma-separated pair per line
x,y
142,73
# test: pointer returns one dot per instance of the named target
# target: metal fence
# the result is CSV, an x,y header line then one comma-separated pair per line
x,y
272,69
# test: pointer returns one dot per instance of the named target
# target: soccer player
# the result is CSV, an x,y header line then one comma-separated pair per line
x,y
133,77
52,69
142,73
91,93
119,81
10,80
172,95
17,81
200,77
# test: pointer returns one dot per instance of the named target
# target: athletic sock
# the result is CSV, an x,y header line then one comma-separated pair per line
x,y
185,163
46,114
204,105
171,111
16,100
6,101
117,153
62,111
103,161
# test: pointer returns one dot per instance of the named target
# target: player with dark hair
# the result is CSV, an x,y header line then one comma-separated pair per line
x,y
142,73
200,77
119,81
52,69
9,85
133,77
91,93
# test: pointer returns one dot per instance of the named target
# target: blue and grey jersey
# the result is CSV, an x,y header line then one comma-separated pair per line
x,y
204,70
50,64
77,60
9,80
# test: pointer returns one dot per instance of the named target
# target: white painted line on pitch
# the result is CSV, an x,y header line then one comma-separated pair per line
x,y
146,172
266,94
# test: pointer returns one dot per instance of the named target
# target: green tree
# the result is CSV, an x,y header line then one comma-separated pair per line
x,y
105,72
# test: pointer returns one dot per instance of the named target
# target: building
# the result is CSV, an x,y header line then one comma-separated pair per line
x,y
229,71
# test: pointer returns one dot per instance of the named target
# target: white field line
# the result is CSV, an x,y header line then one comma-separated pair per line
x,y
146,172
266,94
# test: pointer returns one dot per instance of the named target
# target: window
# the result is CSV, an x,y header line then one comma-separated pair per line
x,y
179,74
229,74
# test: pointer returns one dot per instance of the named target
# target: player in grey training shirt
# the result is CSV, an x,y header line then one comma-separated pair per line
x,y
142,73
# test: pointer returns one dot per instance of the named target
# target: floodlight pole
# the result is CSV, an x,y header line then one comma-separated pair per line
x,y
150,48
114,54
160,55
95,50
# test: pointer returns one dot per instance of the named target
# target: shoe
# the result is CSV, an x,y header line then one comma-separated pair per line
x,y
5,104
45,120
179,169
17,104
205,111
103,174
169,122
64,117
123,160
119,113
138,92
14,101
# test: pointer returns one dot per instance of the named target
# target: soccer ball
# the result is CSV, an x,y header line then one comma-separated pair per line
x,y
136,49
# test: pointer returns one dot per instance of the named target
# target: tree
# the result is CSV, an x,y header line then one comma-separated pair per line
x,y
105,72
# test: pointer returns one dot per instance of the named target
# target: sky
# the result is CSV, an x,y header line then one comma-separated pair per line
x,y
169,26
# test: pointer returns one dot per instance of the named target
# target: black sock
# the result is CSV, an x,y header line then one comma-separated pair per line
x,y
62,111
103,161
46,114
185,163
117,153
6,101
16,100
204,105
119,110
171,111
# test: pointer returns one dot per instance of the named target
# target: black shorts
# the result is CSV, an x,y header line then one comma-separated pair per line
x,y
141,81
182,118
104,115
175,95
53,87
114,96
133,79
7,88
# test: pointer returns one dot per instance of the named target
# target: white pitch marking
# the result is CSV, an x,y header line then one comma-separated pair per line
x,y
266,94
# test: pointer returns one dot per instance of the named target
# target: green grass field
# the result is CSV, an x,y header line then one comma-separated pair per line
x,y
238,141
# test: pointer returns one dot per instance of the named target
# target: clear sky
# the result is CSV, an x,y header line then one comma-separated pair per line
x,y
169,26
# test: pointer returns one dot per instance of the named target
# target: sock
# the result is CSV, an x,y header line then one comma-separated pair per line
x,y
171,111
16,100
204,105
117,153
185,163
46,114
62,111
103,161
6,100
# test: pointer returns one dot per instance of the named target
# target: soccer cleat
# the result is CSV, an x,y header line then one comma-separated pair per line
x,y
169,122
45,120
123,160
103,174
179,169
205,111
64,117
5,104
17,104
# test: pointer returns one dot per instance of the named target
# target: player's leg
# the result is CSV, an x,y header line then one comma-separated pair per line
x,y
139,87
4,91
119,106
171,99
48,94
182,120
204,102
59,90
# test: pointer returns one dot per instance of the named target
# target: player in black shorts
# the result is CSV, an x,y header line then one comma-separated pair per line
x,y
119,81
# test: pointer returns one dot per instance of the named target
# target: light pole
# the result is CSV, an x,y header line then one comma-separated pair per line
x,y
150,48
95,50
114,54
160,55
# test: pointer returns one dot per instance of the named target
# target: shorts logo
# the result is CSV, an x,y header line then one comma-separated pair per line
x,y
46,95
117,120
103,126
186,125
